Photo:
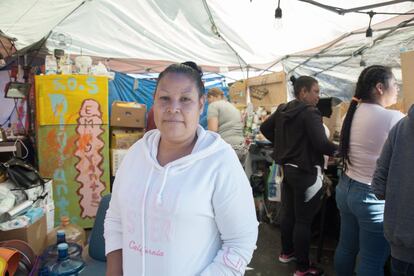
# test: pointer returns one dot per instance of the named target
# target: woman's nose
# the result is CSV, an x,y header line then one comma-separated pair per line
x,y
174,106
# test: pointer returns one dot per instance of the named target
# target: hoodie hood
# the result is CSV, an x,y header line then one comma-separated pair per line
x,y
291,109
207,144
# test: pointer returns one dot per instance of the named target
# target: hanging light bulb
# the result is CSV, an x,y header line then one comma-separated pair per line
x,y
368,33
278,16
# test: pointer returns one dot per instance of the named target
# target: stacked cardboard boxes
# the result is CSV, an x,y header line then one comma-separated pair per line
x,y
128,120
267,91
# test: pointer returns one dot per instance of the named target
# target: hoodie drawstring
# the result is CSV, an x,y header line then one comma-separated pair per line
x,y
164,181
143,220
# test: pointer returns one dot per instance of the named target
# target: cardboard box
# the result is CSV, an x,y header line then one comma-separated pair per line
x,y
128,114
268,90
50,217
124,138
46,203
407,69
240,107
237,93
116,158
34,235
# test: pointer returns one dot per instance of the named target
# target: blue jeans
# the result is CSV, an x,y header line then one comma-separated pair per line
x,y
401,268
362,216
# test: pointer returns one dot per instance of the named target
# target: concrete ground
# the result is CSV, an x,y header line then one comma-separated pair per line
x,y
265,263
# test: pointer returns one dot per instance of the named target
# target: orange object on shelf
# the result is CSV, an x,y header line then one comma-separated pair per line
x,y
74,233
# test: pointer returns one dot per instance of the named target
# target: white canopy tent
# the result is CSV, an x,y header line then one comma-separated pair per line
x,y
211,32
144,36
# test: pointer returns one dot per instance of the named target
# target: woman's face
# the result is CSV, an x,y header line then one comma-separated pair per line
x,y
310,96
177,108
389,96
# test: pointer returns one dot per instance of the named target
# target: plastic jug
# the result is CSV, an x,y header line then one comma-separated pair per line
x,y
74,249
73,232
65,265
50,255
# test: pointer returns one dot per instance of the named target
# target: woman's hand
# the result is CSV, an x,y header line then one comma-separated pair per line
x,y
114,263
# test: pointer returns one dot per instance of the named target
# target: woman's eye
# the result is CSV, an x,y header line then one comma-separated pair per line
x,y
164,98
185,99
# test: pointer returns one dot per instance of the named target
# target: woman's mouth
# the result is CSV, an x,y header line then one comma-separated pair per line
x,y
173,121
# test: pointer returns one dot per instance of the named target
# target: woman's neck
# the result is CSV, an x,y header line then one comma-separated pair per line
x,y
169,152
376,101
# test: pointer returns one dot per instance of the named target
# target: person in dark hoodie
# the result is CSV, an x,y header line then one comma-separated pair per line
x,y
393,180
298,136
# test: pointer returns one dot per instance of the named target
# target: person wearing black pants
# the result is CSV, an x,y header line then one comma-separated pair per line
x,y
301,200
299,140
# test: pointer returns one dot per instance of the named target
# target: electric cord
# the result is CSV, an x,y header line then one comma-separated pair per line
x,y
24,146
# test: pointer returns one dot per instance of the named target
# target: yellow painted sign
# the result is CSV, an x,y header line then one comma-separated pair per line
x,y
73,142
58,95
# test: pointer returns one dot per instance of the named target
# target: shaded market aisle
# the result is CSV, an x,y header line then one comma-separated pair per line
x,y
265,263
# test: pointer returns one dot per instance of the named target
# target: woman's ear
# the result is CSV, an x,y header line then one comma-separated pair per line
x,y
380,88
302,93
201,103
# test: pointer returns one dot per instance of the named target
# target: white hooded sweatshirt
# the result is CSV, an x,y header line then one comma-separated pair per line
x,y
194,216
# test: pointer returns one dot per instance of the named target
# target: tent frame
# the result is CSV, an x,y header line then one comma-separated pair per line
x,y
342,11
359,51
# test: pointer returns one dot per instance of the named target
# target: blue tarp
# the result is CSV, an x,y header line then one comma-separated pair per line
x,y
129,89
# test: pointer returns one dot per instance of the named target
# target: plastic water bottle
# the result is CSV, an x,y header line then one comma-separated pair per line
x,y
44,271
74,250
65,265
50,255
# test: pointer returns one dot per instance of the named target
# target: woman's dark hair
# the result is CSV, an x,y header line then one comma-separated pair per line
x,y
301,82
364,91
187,68
216,92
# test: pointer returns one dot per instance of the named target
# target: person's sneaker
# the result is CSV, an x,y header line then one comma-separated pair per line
x,y
287,258
311,271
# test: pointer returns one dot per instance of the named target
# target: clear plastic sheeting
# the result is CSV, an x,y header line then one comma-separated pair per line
x,y
338,67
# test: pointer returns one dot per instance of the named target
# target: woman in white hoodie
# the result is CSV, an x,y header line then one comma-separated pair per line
x,y
181,203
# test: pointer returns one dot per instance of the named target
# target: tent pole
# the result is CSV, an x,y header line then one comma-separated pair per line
x,y
342,11
363,48
342,37
273,64
216,32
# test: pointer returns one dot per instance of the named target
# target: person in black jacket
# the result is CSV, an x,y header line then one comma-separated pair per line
x,y
298,136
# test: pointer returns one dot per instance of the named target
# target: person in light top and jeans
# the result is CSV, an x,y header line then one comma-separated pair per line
x,y
364,131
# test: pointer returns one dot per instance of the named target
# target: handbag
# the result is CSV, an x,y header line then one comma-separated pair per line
x,y
22,174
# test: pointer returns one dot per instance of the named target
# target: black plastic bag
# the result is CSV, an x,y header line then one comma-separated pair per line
x,y
22,174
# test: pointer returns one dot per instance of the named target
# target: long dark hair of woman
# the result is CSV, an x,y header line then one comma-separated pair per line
x,y
365,92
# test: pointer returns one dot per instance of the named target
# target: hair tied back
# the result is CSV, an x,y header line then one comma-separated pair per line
x,y
194,66
355,99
